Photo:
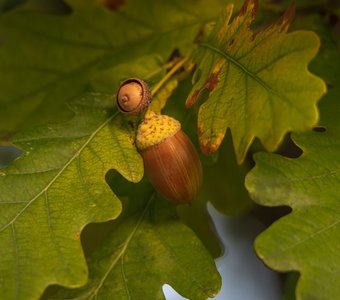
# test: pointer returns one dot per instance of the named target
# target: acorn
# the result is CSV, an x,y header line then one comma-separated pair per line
x,y
133,96
170,159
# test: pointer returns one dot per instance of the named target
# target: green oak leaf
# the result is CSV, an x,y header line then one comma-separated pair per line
x,y
308,239
258,83
59,54
149,247
54,189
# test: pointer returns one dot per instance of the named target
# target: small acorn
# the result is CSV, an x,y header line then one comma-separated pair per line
x,y
133,96
170,159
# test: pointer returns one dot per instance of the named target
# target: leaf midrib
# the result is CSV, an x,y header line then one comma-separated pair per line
x,y
123,251
243,68
254,76
78,152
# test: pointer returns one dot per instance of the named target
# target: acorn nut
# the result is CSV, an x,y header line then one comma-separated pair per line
x,y
170,159
133,96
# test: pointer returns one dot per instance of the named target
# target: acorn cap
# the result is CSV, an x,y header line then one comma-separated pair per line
x,y
133,96
155,129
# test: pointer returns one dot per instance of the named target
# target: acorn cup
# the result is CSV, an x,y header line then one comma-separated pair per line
x,y
133,96
170,159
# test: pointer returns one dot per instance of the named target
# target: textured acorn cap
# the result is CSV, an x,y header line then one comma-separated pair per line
x,y
133,96
155,129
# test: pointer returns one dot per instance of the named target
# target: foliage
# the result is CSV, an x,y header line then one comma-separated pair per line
x,y
60,65
59,54
51,192
244,71
310,185
151,239
307,240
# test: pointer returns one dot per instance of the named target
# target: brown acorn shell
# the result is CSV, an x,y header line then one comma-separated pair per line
x,y
174,168
145,97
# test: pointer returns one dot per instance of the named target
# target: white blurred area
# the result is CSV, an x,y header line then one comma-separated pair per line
x,y
244,277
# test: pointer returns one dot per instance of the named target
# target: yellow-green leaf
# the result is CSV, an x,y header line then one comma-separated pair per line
x,y
54,189
259,84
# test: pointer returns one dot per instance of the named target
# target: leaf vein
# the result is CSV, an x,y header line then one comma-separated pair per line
x,y
82,180
278,58
17,270
52,234
318,232
123,251
60,172
124,277
243,68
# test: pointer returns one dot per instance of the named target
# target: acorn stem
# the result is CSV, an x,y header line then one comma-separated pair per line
x,y
168,65
168,75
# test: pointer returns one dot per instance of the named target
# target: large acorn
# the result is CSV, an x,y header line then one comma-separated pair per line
x,y
170,159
